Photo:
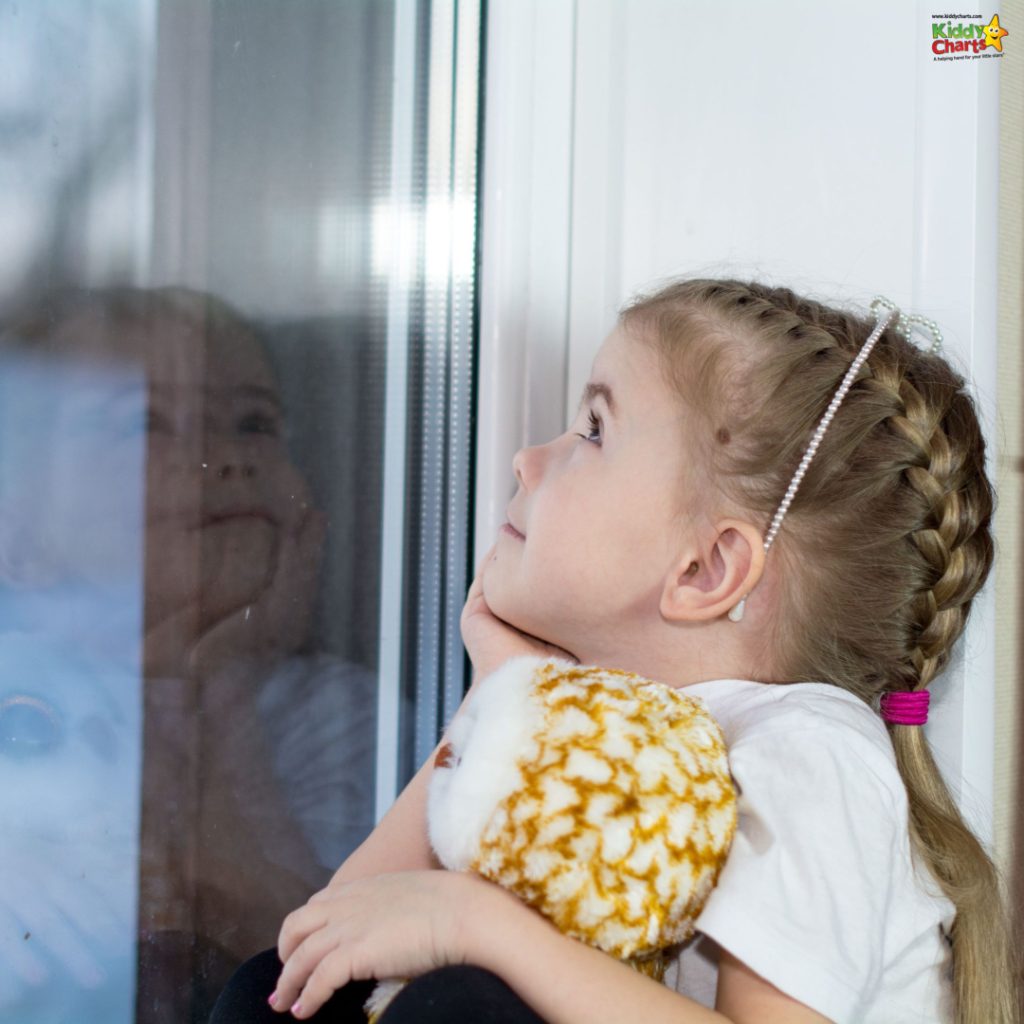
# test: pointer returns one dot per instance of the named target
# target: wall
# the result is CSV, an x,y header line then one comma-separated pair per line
x,y
1009,821
821,147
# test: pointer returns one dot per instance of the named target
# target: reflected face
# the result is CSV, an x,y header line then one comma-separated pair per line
x,y
598,510
221,489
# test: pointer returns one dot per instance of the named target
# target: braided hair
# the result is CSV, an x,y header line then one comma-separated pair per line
x,y
885,545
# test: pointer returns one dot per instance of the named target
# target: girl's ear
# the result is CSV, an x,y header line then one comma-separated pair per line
x,y
708,581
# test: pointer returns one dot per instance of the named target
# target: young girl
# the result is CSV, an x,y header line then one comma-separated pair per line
x,y
782,507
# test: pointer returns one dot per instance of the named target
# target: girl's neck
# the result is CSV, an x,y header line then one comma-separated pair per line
x,y
677,669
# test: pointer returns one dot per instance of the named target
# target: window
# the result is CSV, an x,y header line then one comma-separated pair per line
x,y
237,301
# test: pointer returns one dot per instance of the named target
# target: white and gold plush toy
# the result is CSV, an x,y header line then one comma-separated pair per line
x,y
598,797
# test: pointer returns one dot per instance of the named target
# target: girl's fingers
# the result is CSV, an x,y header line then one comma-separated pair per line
x,y
475,595
19,955
90,907
55,921
69,946
301,965
477,583
293,977
298,926
333,971
486,558
480,565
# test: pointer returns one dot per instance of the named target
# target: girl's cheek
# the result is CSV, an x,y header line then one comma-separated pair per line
x,y
285,489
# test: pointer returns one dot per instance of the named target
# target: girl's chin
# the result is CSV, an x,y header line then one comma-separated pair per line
x,y
508,601
503,606
513,614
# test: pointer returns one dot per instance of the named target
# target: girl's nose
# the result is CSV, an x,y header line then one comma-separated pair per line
x,y
234,470
525,465
228,460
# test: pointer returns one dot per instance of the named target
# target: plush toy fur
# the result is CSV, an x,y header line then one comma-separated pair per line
x,y
598,797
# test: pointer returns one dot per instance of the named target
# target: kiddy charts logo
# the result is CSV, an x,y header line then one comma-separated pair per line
x,y
966,37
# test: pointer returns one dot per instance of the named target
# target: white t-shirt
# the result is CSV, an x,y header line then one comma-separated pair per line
x,y
819,894
320,714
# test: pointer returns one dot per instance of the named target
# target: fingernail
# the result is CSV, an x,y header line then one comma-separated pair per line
x,y
296,1009
272,998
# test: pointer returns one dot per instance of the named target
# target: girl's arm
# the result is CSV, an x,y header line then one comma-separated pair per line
x,y
402,924
568,982
565,981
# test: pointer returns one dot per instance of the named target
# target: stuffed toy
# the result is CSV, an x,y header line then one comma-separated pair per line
x,y
598,797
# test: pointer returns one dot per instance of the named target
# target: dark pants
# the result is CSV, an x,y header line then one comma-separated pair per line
x,y
443,996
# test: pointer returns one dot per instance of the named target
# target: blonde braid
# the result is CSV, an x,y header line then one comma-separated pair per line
x,y
955,542
954,539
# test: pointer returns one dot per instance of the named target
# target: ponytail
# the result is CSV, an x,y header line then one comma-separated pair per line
x,y
983,971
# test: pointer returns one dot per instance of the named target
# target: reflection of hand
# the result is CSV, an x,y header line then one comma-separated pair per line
x,y
274,622
277,621
65,910
67,808
491,641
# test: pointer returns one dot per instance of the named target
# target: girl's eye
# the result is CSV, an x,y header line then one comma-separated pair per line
x,y
595,425
259,423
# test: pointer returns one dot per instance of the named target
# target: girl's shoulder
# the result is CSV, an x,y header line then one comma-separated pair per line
x,y
747,709
737,697
796,729
821,893
815,765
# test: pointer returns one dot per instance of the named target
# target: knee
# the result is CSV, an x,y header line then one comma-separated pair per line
x,y
458,992
245,996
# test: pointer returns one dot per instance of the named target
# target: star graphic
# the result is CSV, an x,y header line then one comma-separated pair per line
x,y
994,34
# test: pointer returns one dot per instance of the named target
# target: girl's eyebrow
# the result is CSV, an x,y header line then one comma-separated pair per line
x,y
256,391
594,388
249,391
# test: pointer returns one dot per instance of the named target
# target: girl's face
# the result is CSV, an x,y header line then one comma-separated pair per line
x,y
204,427
599,510
222,491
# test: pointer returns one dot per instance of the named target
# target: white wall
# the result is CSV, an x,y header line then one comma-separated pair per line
x,y
1010,483
814,145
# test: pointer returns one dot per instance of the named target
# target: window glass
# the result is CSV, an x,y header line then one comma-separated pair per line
x,y
201,615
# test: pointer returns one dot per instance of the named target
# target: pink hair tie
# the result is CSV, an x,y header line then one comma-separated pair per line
x,y
906,708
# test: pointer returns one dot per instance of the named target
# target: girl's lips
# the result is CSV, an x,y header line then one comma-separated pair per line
x,y
226,515
511,531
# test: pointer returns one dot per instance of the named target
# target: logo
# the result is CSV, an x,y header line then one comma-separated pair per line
x,y
954,39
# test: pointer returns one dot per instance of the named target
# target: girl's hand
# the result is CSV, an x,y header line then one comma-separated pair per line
x,y
276,621
491,641
272,623
64,916
387,926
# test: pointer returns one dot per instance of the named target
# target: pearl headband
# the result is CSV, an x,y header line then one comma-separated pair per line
x,y
884,311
